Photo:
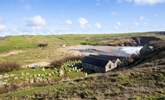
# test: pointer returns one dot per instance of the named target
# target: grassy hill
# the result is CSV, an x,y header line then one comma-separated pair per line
x,y
31,53
145,80
25,42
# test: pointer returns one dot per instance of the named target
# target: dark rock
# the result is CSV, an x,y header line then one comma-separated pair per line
x,y
146,50
42,44
142,40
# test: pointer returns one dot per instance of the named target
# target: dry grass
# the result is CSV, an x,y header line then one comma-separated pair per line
x,y
37,55
8,66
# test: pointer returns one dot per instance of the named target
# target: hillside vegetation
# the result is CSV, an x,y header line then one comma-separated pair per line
x,y
25,42
144,80
14,48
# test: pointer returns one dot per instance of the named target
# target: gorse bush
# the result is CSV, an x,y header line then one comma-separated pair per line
x,y
8,66
88,43
42,44
60,62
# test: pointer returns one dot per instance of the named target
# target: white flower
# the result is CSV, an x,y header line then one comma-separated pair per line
x,y
1,76
15,78
43,69
11,75
3,83
50,74
86,74
6,76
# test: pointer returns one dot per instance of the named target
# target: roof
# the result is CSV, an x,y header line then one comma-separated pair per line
x,y
100,60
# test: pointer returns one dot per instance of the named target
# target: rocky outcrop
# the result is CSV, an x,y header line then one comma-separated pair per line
x,y
118,41
127,41
147,49
160,33
110,65
143,40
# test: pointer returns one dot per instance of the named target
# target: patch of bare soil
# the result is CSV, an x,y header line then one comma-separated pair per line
x,y
38,64
11,53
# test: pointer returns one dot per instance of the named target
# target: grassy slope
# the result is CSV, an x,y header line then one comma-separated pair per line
x,y
121,83
33,54
24,42
143,82
27,77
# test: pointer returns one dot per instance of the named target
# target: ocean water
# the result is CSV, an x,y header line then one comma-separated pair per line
x,y
131,50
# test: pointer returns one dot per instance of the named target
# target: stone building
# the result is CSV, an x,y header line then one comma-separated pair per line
x,y
101,63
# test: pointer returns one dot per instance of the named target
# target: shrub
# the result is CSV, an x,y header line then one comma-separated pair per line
x,y
88,43
60,62
8,66
42,44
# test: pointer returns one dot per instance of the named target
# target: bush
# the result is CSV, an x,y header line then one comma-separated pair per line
x,y
8,66
60,62
88,43
42,44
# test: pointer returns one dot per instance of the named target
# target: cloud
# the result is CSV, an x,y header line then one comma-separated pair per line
x,y
37,22
140,21
2,27
117,25
136,23
69,22
114,13
98,25
83,22
141,18
144,2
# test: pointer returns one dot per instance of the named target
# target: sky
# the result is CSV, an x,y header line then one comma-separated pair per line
x,y
42,17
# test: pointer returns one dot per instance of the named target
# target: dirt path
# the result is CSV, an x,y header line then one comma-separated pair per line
x,y
11,53
36,65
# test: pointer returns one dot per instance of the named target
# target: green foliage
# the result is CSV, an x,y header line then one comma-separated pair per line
x,y
88,43
107,86
71,68
58,63
39,76
25,75
14,43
